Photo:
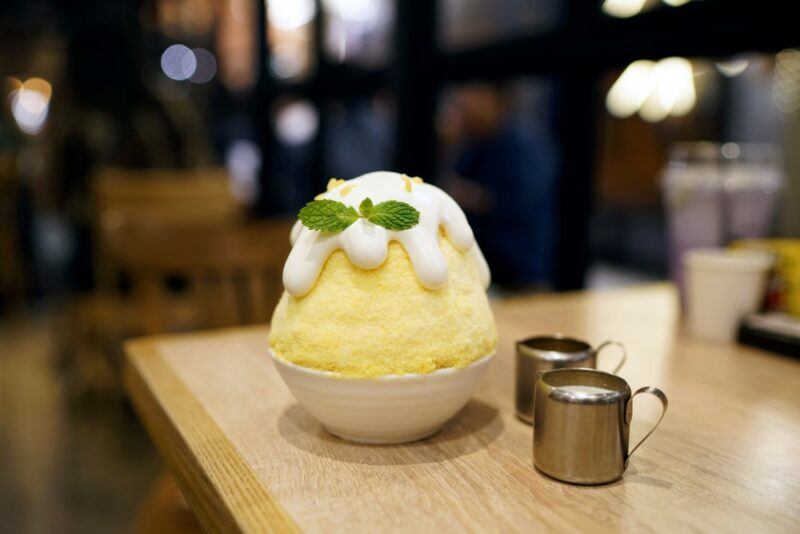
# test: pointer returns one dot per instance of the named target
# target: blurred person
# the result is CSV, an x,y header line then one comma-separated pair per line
x,y
503,176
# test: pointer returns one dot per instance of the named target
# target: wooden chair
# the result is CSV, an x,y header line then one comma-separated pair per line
x,y
138,202
231,276
234,277
155,199
160,196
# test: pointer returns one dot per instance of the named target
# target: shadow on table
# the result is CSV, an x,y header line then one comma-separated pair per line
x,y
631,476
472,429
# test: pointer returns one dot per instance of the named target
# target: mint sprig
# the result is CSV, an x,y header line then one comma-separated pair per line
x,y
333,216
327,215
366,208
392,214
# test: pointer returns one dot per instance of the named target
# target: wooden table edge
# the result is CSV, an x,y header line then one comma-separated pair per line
x,y
246,505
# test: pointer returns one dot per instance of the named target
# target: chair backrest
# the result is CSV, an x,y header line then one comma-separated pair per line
x,y
159,197
130,200
232,275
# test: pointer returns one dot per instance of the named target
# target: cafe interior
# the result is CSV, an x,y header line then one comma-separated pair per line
x,y
154,156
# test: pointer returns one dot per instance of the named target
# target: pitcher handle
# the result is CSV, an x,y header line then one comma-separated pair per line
x,y
664,403
614,344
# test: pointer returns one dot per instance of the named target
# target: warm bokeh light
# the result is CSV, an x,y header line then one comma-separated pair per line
x,y
631,89
178,18
786,85
235,45
289,37
30,104
629,8
290,14
732,67
623,8
675,85
655,89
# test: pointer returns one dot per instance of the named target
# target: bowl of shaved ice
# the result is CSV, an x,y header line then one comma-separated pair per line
x,y
384,329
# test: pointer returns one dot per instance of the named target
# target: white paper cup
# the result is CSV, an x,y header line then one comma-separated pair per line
x,y
723,285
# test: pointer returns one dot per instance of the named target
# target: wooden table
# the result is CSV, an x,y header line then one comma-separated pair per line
x,y
247,457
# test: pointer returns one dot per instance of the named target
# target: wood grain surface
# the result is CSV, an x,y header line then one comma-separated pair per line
x,y
249,458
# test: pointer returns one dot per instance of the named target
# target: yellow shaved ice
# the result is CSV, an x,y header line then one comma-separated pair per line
x,y
370,323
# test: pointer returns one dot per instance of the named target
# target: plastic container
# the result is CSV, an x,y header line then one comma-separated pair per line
x,y
716,193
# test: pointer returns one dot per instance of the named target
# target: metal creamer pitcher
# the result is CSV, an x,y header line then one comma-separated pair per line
x,y
543,353
581,425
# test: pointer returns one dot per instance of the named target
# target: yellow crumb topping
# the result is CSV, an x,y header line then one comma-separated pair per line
x,y
370,323
417,180
407,183
334,182
346,190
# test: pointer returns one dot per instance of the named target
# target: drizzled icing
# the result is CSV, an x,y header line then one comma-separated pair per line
x,y
367,245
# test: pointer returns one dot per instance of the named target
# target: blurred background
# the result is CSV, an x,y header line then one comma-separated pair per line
x,y
153,154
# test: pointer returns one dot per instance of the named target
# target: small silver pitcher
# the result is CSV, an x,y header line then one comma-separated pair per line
x,y
581,425
544,353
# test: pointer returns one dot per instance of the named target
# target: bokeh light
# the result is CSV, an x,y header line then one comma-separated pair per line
x,y
178,18
365,13
732,67
243,160
235,46
675,86
297,122
655,89
786,83
631,89
30,104
623,8
731,150
286,60
290,14
357,30
178,62
629,8
206,66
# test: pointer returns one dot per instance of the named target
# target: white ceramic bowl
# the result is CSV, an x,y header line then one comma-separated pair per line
x,y
388,409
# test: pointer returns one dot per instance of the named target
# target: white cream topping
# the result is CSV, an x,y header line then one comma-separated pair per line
x,y
367,244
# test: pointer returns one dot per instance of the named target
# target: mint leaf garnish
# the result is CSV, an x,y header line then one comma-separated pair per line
x,y
333,216
327,215
393,215
366,208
